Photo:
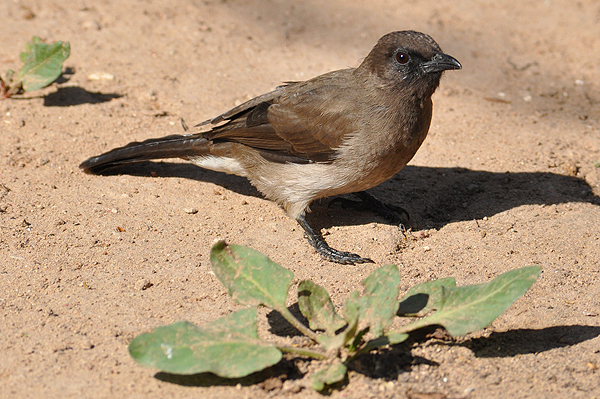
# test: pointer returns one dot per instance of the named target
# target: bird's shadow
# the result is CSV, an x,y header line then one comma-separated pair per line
x,y
434,197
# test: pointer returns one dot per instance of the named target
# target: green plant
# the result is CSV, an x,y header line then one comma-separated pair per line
x,y
230,346
42,65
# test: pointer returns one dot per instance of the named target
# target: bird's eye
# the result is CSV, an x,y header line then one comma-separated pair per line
x,y
402,58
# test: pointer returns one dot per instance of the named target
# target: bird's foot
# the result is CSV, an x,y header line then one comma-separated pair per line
x,y
342,257
393,213
328,253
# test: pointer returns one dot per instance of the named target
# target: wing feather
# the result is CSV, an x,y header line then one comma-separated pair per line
x,y
303,121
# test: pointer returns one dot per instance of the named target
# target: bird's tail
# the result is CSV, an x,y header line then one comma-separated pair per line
x,y
176,146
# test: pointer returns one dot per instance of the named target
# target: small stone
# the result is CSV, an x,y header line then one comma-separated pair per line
x,y
27,13
90,24
191,211
271,384
143,284
570,168
100,76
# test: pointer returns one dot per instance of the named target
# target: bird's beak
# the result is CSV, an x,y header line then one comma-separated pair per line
x,y
440,62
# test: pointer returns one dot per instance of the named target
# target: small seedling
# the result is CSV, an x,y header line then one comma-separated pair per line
x,y
230,346
42,65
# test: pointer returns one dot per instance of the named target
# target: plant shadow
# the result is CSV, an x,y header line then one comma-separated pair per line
x,y
72,95
279,326
65,76
523,341
268,379
389,362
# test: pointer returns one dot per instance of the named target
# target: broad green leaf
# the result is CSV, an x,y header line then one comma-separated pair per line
x,y
329,376
339,340
379,301
316,306
351,309
228,347
43,63
422,298
395,337
250,277
473,307
350,312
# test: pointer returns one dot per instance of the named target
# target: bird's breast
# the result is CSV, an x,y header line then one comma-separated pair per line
x,y
380,149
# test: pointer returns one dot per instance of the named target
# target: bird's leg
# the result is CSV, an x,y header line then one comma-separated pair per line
x,y
393,213
333,255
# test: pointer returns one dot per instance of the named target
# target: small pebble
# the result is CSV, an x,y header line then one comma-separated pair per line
x,y
191,211
91,25
100,76
143,284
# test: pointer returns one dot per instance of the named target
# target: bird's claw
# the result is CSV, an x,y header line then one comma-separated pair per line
x,y
333,255
342,257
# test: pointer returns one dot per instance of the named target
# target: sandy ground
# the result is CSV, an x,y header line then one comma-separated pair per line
x,y
509,176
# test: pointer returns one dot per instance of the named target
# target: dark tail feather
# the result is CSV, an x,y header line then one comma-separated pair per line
x,y
176,146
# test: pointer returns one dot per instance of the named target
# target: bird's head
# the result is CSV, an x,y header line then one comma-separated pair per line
x,y
408,60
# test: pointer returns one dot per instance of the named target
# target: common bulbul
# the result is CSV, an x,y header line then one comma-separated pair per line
x,y
342,132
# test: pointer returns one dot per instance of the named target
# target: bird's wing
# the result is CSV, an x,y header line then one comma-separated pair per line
x,y
244,107
300,121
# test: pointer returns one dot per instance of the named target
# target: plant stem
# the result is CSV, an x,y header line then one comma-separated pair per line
x,y
369,346
8,91
302,352
296,323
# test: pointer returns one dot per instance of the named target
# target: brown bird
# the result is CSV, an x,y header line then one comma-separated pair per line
x,y
342,132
